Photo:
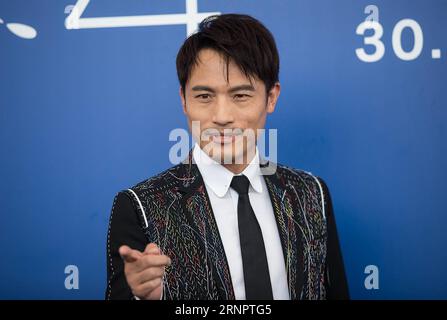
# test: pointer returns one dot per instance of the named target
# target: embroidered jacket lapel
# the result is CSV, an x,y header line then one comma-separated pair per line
x,y
286,217
198,211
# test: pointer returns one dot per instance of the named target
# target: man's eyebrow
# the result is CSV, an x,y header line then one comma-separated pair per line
x,y
247,87
202,88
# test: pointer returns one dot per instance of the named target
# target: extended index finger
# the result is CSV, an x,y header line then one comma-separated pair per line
x,y
128,254
151,260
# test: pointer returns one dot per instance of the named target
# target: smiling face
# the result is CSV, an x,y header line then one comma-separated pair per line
x,y
229,112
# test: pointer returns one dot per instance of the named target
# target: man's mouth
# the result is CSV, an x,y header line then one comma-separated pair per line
x,y
223,138
226,136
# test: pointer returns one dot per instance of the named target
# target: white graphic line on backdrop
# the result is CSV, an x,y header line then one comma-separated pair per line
x,y
191,18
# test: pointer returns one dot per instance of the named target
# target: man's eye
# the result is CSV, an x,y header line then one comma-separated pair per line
x,y
241,96
204,96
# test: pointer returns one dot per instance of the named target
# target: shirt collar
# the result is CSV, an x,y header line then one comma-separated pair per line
x,y
218,178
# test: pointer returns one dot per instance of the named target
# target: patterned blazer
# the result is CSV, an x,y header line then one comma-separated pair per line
x,y
173,210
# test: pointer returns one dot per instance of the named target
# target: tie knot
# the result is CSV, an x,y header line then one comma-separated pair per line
x,y
240,184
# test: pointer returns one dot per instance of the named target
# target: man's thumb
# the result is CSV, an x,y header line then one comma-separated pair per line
x,y
152,248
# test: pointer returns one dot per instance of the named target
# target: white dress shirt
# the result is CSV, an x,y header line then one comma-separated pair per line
x,y
224,200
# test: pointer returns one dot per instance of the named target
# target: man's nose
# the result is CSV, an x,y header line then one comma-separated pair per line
x,y
223,114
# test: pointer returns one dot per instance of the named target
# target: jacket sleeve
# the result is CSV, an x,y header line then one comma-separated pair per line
x,y
336,281
124,229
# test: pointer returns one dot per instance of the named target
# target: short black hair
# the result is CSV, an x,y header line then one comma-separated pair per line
x,y
237,37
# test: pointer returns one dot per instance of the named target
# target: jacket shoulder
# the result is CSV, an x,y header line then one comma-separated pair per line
x,y
295,174
147,193
165,180
303,177
312,183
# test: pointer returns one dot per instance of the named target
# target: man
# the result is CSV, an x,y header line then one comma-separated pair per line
x,y
219,226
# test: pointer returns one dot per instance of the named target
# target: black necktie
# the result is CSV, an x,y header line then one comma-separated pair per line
x,y
254,259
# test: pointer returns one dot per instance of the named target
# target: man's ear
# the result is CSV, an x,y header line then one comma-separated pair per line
x,y
182,99
272,97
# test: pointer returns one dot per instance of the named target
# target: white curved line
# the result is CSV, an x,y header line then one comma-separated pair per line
x,y
141,207
322,196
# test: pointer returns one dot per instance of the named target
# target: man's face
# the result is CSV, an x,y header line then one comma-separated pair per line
x,y
229,113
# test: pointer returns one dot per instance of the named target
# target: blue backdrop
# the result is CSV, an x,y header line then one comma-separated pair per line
x,y
87,112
